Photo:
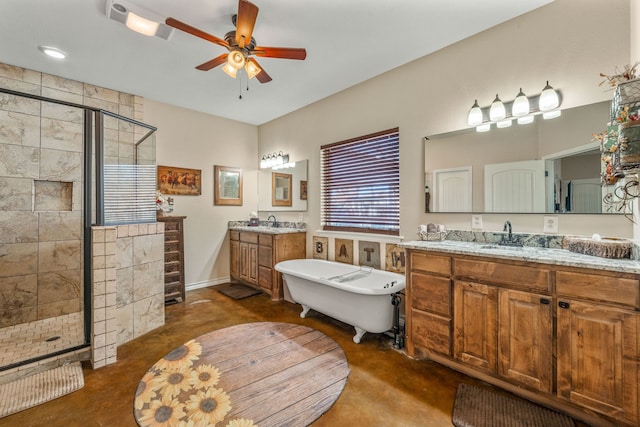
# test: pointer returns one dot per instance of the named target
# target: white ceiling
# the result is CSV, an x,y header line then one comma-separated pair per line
x,y
347,42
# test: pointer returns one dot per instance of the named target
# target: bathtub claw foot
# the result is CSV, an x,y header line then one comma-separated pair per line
x,y
305,310
358,336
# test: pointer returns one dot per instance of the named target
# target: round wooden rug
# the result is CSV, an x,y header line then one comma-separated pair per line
x,y
253,374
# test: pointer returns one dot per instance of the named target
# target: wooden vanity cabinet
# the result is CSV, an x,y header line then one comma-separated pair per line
x,y
253,256
429,299
566,337
598,351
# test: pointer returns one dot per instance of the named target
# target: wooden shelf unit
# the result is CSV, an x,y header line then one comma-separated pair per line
x,y
174,286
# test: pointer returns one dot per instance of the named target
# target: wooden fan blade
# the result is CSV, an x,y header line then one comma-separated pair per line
x,y
213,63
245,21
262,76
280,52
195,32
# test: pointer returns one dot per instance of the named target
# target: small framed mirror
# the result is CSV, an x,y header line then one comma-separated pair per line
x,y
280,189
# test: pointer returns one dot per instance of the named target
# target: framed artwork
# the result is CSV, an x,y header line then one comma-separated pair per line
x,y
320,247
369,254
303,190
281,189
344,250
180,181
227,186
394,259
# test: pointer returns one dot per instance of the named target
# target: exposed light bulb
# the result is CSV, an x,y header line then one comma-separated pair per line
x,y
497,110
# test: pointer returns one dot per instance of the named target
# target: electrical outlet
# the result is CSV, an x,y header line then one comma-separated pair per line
x,y
476,222
300,217
550,224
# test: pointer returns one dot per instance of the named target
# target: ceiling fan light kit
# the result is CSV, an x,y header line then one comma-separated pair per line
x,y
137,19
240,44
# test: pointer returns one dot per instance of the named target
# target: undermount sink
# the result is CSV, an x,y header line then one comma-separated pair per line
x,y
512,246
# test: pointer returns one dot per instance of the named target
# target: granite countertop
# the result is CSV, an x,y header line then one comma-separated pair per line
x,y
269,228
527,253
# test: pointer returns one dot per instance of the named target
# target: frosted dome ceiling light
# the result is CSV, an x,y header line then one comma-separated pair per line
x,y
53,52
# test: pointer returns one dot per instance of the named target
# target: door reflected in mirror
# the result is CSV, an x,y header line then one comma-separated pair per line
x,y
487,170
280,189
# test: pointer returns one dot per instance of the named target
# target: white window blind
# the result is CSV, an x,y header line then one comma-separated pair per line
x,y
361,184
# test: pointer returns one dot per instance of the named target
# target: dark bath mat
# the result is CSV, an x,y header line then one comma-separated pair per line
x,y
479,407
237,291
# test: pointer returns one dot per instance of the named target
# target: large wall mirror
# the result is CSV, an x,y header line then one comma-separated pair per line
x,y
548,166
283,189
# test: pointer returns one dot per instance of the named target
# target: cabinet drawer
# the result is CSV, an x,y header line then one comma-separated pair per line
x,y
619,290
265,240
172,266
234,235
431,293
431,332
265,256
431,263
519,276
248,237
265,276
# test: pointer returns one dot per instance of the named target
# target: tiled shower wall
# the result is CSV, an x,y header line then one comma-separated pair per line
x,y
41,192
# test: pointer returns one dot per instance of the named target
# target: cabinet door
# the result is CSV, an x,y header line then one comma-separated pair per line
x,y
235,259
525,336
248,267
474,323
598,358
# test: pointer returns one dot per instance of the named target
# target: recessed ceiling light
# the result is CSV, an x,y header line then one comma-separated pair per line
x,y
53,52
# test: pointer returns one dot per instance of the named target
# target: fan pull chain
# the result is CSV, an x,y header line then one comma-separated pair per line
x,y
240,87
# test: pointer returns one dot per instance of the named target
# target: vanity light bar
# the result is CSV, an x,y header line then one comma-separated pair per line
x,y
275,160
503,114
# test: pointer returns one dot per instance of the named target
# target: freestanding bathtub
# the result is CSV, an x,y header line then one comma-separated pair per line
x,y
358,296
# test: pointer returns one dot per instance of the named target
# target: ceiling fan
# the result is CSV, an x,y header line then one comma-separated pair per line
x,y
241,45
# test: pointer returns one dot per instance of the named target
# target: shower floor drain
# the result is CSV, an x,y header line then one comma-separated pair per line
x,y
51,339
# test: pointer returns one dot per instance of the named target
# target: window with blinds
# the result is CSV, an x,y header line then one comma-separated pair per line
x,y
361,184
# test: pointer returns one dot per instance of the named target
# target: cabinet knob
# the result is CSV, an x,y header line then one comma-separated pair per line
x,y
545,301
563,304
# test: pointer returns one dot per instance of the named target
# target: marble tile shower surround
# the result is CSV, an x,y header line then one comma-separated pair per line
x,y
41,200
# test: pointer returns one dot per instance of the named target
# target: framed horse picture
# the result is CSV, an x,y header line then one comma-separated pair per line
x,y
180,181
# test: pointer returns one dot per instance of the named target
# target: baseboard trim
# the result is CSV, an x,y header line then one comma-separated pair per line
x,y
207,283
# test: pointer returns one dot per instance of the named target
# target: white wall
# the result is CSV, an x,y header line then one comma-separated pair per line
x,y
568,42
195,140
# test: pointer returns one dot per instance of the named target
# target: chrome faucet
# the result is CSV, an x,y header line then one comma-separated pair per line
x,y
507,227
272,223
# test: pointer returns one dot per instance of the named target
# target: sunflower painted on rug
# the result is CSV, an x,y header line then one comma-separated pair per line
x,y
179,391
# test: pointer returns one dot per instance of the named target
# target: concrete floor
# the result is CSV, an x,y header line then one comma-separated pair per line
x,y
385,387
